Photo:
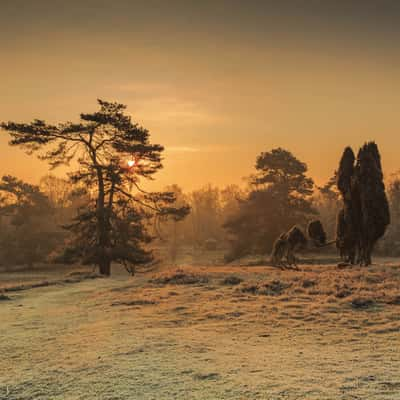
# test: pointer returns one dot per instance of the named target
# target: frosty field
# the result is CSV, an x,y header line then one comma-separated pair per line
x,y
212,332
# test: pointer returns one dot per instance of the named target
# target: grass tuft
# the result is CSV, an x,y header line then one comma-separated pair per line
x,y
180,277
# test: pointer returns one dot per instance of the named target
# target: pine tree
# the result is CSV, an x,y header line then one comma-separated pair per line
x,y
279,198
374,206
345,172
114,155
347,222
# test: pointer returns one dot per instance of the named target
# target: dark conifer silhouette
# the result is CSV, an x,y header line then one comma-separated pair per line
x,y
365,214
347,228
374,206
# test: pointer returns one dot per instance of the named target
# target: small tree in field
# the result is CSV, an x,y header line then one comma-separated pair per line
x,y
114,154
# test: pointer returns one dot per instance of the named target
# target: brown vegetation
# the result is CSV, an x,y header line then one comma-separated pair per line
x,y
209,332
180,277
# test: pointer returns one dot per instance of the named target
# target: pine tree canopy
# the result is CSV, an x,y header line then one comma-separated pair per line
x,y
114,155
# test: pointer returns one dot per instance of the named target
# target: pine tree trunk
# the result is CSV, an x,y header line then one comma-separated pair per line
x,y
104,261
105,267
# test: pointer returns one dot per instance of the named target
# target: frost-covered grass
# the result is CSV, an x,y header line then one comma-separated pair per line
x,y
212,332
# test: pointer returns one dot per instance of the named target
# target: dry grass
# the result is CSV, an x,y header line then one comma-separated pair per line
x,y
136,302
222,332
4,297
18,279
356,286
75,277
232,280
269,288
180,277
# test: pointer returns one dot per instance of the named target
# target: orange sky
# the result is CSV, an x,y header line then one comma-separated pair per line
x,y
216,82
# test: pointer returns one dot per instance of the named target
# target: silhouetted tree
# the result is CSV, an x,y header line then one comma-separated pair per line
x,y
365,214
113,154
330,190
279,198
282,170
28,232
347,227
374,206
345,172
316,233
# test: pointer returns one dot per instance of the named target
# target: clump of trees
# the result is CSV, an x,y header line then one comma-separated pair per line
x,y
202,230
114,155
279,197
28,232
365,214
32,217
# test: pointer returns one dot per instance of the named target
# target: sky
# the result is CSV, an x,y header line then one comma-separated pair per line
x,y
216,82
